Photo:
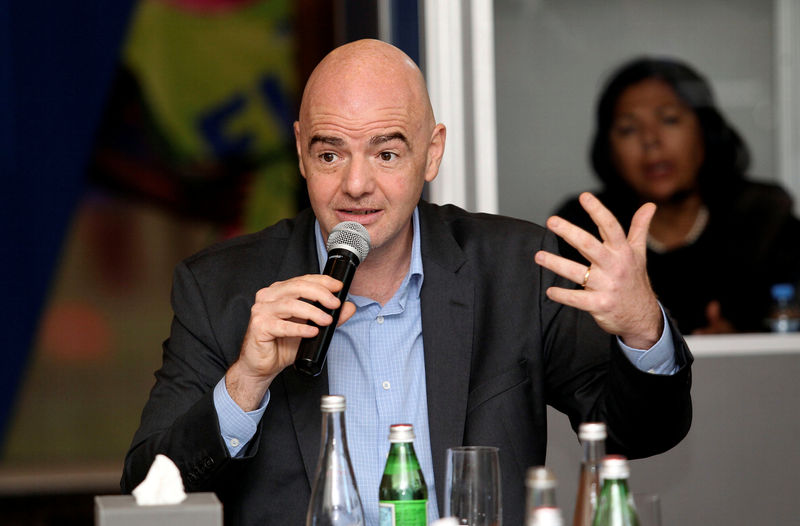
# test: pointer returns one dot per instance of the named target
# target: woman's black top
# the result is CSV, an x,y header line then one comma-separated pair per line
x,y
751,241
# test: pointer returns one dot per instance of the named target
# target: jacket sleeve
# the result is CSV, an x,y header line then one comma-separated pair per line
x,y
179,419
588,378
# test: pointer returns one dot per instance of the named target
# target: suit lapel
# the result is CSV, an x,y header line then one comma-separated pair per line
x,y
447,299
303,393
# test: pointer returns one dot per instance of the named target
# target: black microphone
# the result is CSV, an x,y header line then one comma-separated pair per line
x,y
348,245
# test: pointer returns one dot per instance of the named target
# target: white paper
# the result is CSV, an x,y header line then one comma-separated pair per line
x,y
162,485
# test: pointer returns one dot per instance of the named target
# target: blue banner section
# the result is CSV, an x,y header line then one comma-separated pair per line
x,y
405,28
56,64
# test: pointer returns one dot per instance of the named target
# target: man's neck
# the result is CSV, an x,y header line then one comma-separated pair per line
x,y
383,271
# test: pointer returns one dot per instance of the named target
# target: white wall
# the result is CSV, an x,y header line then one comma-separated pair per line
x,y
737,467
552,57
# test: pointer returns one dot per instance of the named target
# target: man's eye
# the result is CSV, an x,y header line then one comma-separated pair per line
x,y
387,156
328,157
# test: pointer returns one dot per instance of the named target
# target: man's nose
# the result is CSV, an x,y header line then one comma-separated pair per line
x,y
358,177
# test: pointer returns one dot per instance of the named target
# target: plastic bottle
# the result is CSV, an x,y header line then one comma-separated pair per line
x,y
334,495
616,506
403,494
593,437
785,313
541,485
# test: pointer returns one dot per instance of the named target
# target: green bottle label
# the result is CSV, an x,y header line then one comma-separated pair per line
x,y
403,512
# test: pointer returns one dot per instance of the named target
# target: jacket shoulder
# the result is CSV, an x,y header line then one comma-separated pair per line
x,y
484,226
259,252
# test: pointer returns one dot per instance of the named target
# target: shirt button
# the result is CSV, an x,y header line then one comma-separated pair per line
x,y
234,442
386,385
380,319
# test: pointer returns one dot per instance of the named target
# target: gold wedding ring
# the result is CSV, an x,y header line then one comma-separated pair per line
x,y
586,276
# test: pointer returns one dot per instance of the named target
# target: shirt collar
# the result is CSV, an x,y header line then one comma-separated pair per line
x,y
413,280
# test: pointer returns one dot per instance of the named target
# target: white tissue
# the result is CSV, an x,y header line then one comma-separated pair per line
x,y
445,521
162,485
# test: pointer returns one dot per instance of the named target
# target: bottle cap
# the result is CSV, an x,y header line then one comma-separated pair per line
x,y
782,291
592,431
401,433
540,477
615,467
547,516
332,403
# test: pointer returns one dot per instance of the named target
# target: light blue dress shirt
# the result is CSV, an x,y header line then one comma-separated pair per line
x,y
376,361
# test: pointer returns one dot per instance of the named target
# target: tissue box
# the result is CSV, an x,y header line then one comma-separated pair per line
x,y
199,509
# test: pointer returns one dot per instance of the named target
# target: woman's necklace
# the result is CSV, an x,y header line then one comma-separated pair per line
x,y
700,222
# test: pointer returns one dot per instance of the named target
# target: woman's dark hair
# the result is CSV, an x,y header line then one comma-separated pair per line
x,y
726,155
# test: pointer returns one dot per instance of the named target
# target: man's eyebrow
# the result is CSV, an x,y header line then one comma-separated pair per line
x,y
380,139
325,139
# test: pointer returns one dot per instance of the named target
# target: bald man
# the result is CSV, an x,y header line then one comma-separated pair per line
x,y
464,325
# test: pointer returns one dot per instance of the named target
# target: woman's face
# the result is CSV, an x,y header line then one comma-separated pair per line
x,y
656,141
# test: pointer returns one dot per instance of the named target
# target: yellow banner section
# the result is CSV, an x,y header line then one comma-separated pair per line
x,y
219,82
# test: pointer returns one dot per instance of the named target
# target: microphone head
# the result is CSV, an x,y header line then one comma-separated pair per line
x,y
351,236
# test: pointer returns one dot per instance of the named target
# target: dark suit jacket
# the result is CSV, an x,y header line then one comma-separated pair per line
x,y
496,352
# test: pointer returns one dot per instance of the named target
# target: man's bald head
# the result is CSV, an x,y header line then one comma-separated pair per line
x,y
361,72
367,143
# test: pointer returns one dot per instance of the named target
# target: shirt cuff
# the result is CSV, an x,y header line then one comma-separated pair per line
x,y
236,426
658,359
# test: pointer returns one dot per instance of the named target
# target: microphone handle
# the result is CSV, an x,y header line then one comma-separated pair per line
x,y
311,354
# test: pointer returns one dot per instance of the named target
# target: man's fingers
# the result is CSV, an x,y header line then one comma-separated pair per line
x,y
268,314
591,248
313,287
581,240
607,224
616,290
566,268
640,225
578,299
348,309
292,329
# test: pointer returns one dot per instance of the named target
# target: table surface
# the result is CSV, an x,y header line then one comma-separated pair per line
x,y
714,345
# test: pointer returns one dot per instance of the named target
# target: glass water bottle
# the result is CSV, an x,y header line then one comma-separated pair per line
x,y
593,437
541,485
403,495
547,517
616,506
334,495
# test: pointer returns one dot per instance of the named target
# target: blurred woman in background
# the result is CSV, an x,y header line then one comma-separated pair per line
x,y
717,241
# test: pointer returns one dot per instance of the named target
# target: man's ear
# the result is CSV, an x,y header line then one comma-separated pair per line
x,y
435,152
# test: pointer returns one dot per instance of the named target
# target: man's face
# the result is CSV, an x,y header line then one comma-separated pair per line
x,y
365,152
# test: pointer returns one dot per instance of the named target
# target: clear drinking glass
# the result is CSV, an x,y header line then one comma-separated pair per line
x,y
472,486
